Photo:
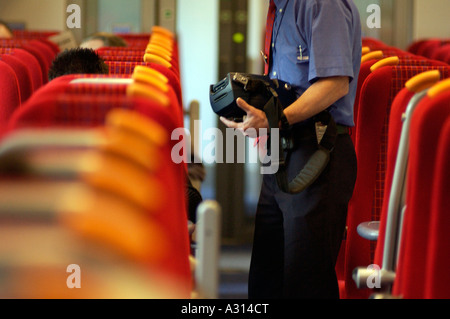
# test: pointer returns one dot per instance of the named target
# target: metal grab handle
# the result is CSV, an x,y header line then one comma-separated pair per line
x,y
208,249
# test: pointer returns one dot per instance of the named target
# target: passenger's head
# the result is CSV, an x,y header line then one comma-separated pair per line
x,y
77,61
5,31
103,39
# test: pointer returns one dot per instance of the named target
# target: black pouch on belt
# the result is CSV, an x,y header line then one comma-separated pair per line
x,y
291,139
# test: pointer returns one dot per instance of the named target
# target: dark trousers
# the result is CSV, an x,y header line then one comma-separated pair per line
x,y
297,237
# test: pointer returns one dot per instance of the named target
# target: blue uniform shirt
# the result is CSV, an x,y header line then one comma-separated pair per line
x,y
313,39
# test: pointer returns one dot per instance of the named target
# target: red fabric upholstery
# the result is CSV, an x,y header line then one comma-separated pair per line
x,y
432,50
136,42
141,40
42,59
12,43
426,126
105,51
9,92
437,279
60,103
174,79
377,94
81,89
23,75
40,54
62,85
369,42
58,84
134,58
389,51
53,46
405,59
415,46
107,89
127,68
123,67
43,51
30,62
69,110
395,129
123,58
31,34
131,51
6,50
446,59
33,65
46,49
61,110
428,47
442,53
69,77
35,47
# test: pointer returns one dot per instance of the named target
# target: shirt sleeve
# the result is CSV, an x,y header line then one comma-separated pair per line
x,y
330,36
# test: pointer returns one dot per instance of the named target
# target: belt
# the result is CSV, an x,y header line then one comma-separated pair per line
x,y
342,129
309,130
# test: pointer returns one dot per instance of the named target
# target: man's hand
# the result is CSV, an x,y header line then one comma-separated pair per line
x,y
255,119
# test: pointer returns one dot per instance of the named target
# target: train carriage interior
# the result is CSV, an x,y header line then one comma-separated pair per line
x,y
139,148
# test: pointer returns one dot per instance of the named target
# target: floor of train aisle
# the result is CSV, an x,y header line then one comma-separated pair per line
x,y
234,265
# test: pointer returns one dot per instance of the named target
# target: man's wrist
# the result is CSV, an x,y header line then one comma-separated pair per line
x,y
283,123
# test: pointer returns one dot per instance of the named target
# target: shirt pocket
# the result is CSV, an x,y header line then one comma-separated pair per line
x,y
302,55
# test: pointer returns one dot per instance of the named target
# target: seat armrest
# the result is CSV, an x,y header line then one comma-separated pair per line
x,y
369,230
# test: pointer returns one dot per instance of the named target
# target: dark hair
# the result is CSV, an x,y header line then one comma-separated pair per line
x,y
77,61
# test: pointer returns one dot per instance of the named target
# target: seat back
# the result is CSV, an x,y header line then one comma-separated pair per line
x,y
441,53
33,65
9,92
416,46
399,127
89,111
33,34
39,50
127,68
427,49
381,57
23,75
377,94
46,49
437,279
369,41
42,59
426,129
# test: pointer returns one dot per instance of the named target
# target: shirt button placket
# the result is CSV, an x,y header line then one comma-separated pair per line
x,y
274,73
